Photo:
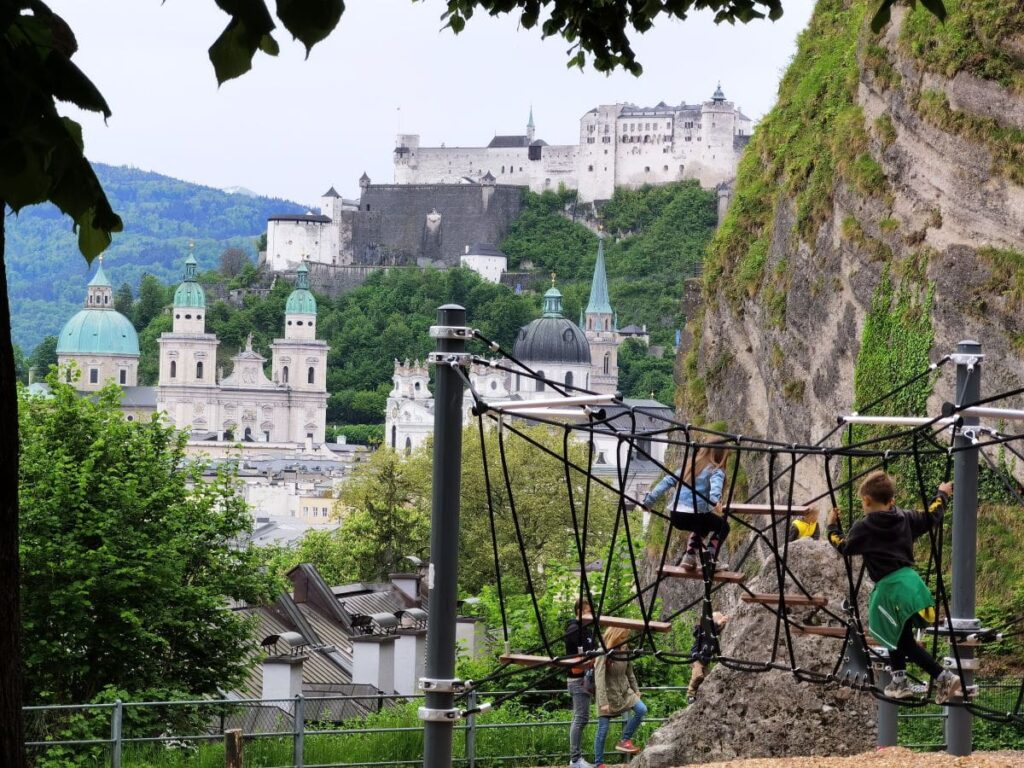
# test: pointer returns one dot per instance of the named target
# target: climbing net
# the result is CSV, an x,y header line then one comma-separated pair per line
x,y
926,446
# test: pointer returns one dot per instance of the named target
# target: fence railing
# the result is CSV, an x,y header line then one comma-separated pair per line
x,y
350,731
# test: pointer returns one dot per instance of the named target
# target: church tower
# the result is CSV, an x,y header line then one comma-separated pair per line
x,y
300,363
530,129
600,328
188,354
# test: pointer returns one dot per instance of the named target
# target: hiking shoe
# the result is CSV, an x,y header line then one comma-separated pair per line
x,y
689,561
899,688
947,686
627,746
580,763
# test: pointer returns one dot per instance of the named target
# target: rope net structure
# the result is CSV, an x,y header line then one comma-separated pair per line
x,y
840,458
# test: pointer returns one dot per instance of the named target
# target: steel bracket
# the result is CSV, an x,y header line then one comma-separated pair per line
x,y
428,715
461,359
960,358
454,685
452,332
969,665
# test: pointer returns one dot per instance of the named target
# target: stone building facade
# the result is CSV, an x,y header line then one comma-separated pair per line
x,y
245,405
620,145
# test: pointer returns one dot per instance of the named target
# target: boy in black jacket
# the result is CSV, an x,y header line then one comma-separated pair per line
x,y
705,646
884,537
579,638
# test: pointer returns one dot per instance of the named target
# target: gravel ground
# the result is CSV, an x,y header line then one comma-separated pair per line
x,y
893,757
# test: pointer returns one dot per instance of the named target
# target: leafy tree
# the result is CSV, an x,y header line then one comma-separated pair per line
x,y
233,261
128,555
20,364
124,300
642,376
43,160
44,355
152,300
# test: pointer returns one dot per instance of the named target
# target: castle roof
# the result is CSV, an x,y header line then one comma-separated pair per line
x,y
538,143
488,177
599,302
311,217
509,142
332,192
632,330
552,338
485,249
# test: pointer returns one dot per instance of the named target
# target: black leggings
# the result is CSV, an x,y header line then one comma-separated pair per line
x,y
907,648
701,524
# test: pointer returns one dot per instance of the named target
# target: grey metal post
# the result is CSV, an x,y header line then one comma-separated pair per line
x,y
444,538
888,725
299,732
116,715
965,531
471,730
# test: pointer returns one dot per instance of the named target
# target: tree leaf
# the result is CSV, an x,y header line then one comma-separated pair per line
x,y
70,84
310,21
231,53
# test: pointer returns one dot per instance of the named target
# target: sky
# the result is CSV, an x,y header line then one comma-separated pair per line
x,y
292,127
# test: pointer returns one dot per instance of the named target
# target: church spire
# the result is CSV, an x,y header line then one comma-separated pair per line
x,y
529,126
599,308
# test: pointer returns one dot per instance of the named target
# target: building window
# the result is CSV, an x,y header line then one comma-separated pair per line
x,y
174,369
590,168
310,374
607,362
284,375
94,375
539,385
666,167
266,436
394,436
248,435
408,446
647,169
124,376
568,380
199,369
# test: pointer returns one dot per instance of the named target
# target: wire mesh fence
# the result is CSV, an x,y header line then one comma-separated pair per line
x,y
369,731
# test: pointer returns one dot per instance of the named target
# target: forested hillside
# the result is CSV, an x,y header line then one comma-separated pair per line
x,y
161,215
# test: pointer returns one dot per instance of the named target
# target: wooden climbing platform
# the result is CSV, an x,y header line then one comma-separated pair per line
x,y
634,624
810,629
678,572
526,660
778,510
769,598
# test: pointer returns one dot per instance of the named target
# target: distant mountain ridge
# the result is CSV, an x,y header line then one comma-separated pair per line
x,y
46,274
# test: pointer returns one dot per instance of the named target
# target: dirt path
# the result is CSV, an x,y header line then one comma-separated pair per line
x,y
893,757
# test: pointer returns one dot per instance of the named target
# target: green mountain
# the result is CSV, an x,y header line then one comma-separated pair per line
x,y
46,274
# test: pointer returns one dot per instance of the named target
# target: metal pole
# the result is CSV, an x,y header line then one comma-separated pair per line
x,y
444,539
471,731
299,732
115,734
965,531
888,725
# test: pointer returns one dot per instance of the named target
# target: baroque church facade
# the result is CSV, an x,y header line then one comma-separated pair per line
x,y
288,408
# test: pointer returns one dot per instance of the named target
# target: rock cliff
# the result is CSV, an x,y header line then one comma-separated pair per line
x,y
878,218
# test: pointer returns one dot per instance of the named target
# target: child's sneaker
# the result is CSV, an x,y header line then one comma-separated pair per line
x,y
689,561
580,763
899,687
947,686
627,746
690,699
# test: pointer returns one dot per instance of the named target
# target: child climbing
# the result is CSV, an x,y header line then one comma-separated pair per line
x,y
617,692
695,508
884,537
705,646
805,527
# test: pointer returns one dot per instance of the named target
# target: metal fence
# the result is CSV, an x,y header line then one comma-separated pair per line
x,y
352,731
304,732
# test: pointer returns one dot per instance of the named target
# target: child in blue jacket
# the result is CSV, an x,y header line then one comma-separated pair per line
x,y
694,507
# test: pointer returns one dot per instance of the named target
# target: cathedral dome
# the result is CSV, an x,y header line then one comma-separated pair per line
x,y
301,301
98,331
552,338
190,293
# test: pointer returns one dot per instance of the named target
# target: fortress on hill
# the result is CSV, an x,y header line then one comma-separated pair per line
x,y
620,145
447,200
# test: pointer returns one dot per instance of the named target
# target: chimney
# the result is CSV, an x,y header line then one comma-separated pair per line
x,y
31,375
373,661
470,636
408,584
410,650
282,679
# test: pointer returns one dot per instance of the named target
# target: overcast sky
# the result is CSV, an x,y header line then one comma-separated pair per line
x,y
293,127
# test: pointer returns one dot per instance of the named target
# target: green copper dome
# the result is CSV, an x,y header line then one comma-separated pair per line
x,y
98,331
190,293
301,301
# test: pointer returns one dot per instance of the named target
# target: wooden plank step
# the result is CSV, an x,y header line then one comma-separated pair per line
x,y
808,629
779,510
526,660
678,572
768,598
636,624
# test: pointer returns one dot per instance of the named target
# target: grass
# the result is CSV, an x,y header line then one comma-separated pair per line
x,y
1007,266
